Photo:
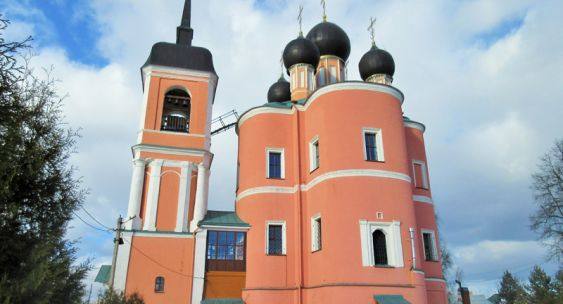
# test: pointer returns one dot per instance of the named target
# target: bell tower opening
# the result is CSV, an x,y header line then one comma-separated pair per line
x,y
176,112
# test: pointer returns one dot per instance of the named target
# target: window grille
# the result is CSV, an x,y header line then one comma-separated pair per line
x,y
226,251
275,239
159,284
379,248
316,236
371,146
176,111
274,163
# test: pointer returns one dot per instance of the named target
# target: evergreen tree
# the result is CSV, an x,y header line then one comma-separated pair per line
x,y
111,296
541,289
558,286
510,290
38,190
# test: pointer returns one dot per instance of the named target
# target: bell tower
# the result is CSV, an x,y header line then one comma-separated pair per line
x,y
171,166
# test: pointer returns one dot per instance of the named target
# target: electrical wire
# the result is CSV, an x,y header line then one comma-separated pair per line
x,y
90,225
94,218
159,264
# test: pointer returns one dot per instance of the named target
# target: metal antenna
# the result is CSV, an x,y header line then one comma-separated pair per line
x,y
323,3
371,30
300,20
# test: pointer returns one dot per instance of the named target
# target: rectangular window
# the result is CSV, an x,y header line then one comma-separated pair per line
x,y
332,74
226,251
316,233
302,79
314,154
275,163
420,174
321,77
429,242
373,145
275,238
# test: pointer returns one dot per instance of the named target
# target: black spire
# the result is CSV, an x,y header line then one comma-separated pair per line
x,y
185,33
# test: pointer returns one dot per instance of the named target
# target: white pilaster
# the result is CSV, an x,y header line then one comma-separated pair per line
x,y
122,262
135,195
152,195
184,197
200,196
199,266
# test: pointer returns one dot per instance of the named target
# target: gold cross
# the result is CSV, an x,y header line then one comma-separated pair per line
x,y
300,19
371,29
323,3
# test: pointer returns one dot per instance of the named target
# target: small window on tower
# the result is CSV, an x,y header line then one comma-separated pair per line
x,y
275,238
420,174
314,154
333,74
176,111
429,242
275,163
379,248
373,145
159,284
321,77
316,233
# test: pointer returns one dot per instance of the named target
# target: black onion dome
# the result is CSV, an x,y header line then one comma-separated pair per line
x,y
279,91
301,50
376,61
330,39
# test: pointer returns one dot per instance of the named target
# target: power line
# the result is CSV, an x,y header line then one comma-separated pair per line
x,y
94,218
159,264
90,225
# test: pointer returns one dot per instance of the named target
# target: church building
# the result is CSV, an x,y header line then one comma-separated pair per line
x,y
333,201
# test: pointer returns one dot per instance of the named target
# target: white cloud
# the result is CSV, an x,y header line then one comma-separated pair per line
x,y
490,110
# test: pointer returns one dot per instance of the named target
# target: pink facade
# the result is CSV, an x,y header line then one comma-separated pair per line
x,y
333,201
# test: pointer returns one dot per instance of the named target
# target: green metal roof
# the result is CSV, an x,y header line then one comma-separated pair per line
x,y
390,299
222,218
222,301
103,274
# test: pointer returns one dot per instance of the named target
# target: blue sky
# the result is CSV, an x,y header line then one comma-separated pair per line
x,y
482,75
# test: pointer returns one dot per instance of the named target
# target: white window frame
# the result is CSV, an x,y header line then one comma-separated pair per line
x,y
392,231
434,246
284,233
424,173
282,160
313,164
378,143
316,233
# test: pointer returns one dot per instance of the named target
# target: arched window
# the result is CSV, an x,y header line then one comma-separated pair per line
x,y
379,248
176,112
159,284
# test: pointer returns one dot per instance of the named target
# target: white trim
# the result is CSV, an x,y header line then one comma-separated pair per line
x,y
342,86
313,163
282,162
355,173
200,206
173,133
424,173
378,143
316,229
415,125
392,231
264,110
137,149
422,199
322,178
122,263
199,266
266,190
179,73
182,215
159,234
284,234
152,195
419,272
435,280
434,254
224,228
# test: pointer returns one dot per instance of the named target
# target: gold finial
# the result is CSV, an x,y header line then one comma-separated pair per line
x,y
323,3
371,30
300,20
